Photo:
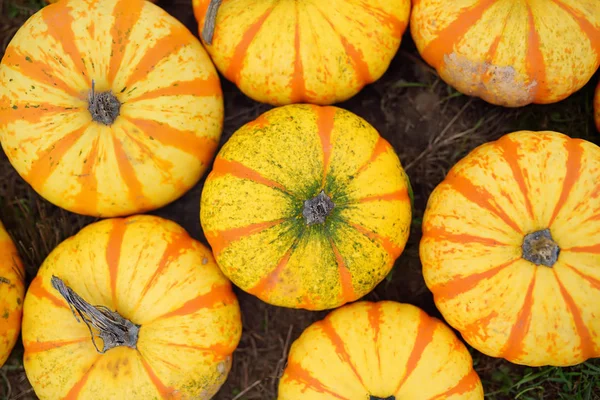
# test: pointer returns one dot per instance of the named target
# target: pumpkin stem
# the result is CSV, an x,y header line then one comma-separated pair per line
x,y
540,249
103,106
113,329
381,398
317,209
210,21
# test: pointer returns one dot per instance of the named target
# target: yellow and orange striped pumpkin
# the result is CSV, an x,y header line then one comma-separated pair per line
x,y
319,52
597,107
12,291
306,207
379,351
144,67
511,248
150,273
510,53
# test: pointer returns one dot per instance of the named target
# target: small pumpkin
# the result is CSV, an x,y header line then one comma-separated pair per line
x,y
510,53
12,291
306,207
282,52
511,248
163,319
379,351
597,107
92,115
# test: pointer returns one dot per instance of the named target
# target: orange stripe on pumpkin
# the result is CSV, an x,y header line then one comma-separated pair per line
x,y
458,285
31,114
166,392
325,121
390,247
586,344
440,234
381,146
217,348
592,32
39,347
38,290
218,295
400,195
573,173
465,385
592,281
236,64
220,240
36,70
480,196
298,87
200,87
295,372
87,198
348,293
340,348
201,147
78,387
511,156
113,254
223,167
534,60
125,15
423,338
48,159
269,282
178,38
129,176
513,347
60,27
375,320
448,37
585,249
385,18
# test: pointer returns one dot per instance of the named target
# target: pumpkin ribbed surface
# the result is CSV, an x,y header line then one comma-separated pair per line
x,y
254,207
384,350
319,52
169,106
511,248
12,291
151,272
510,52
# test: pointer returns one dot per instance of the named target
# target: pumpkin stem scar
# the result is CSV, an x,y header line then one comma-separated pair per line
x,y
4,280
381,398
103,106
539,248
210,21
317,209
113,329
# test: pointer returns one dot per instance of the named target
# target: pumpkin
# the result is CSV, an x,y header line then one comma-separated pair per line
x,y
282,52
510,53
379,351
12,290
306,207
597,106
92,115
163,320
511,248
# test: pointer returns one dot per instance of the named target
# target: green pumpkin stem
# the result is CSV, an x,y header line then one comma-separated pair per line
x,y
104,106
539,248
112,328
210,21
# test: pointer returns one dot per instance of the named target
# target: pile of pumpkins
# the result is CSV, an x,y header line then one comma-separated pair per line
x,y
112,108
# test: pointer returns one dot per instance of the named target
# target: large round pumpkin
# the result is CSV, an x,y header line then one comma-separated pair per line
x,y
597,107
12,290
511,248
508,52
108,107
306,207
319,52
379,351
164,319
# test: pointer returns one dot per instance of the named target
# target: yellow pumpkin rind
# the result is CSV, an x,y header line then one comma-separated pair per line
x,y
262,48
152,273
12,292
379,349
473,230
255,196
510,53
168,127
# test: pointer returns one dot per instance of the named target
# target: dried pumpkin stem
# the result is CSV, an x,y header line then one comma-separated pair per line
x,y
539,248
112,328
210,21
104,106
317,209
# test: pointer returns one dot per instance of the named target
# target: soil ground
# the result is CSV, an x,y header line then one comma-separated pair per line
x,y
430,125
